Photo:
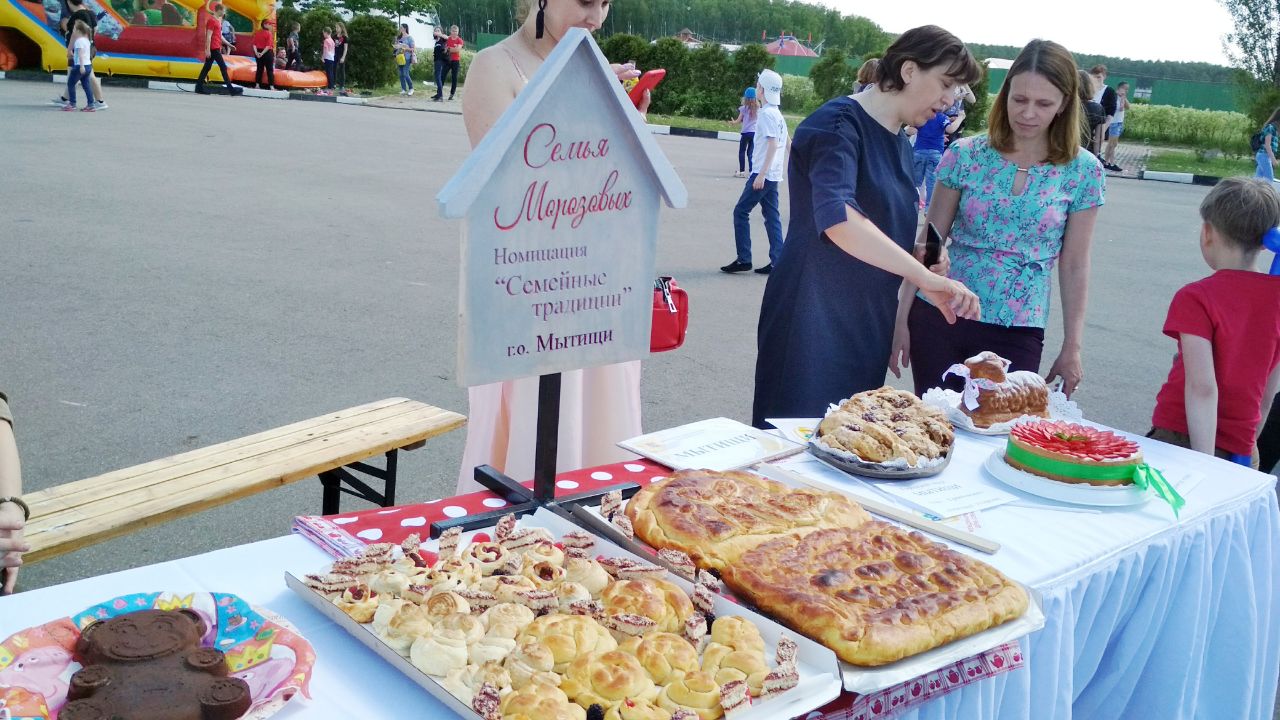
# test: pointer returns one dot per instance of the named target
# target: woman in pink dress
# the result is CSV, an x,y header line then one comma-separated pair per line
x,y
598,406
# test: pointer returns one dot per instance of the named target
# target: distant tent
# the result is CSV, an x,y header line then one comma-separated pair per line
x,y
790,46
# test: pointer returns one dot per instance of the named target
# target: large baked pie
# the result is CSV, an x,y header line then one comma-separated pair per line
x,y
884,425
714,517
874,593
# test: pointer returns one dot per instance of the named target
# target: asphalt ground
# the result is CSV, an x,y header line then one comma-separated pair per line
x,y
182,270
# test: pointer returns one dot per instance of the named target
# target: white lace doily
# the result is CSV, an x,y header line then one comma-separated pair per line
x,y
922,463
1060,408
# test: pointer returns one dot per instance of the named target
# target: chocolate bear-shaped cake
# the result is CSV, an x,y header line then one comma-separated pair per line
x,y
149,665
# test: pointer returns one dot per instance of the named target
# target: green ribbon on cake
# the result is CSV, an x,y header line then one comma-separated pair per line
x,y
1143,476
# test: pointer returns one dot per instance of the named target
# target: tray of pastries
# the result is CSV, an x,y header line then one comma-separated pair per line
x,y
538,618
891,603
887,434
995,398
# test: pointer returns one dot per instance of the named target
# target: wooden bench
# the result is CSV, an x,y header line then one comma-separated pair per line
x,y
78,514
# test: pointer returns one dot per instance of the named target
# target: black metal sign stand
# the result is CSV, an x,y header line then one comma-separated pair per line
x,y
521,501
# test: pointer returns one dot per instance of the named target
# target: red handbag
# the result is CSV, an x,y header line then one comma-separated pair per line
x,y
670,315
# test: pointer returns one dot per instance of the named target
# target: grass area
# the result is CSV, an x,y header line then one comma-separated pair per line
x,y
714,125
1179,160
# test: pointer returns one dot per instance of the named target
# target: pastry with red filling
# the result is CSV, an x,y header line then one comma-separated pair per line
x,y
1073,453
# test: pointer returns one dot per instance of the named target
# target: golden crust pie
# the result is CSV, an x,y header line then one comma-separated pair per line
x,y
887,424
874,593
716,516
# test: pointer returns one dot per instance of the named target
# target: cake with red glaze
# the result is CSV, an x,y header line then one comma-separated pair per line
x,y
1073,453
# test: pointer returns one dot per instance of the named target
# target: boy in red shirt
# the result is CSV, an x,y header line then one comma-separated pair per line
x,y
212,39
1227,369
453,48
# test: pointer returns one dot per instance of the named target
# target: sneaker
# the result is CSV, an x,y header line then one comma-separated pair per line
x,y
200,90
1115,168
740,174
437,98
450,98
410,91
402,92
100,106
736,266
86,108
765,270
68,107
59,101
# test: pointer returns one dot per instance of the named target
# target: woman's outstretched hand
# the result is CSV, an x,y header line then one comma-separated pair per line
x,y
952,298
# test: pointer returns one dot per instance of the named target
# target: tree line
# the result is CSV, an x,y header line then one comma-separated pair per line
x,y
1143,69
724,21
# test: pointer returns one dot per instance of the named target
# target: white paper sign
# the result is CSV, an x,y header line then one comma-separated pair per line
x,y
561,205
954,493
714,444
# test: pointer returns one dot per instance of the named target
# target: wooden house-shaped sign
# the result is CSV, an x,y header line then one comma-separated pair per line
x,y
560,202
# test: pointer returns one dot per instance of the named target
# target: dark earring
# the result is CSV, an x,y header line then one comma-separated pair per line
x,y
539,21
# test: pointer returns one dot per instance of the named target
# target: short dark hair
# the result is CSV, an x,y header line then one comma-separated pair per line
x,y
1243,209
1122,83
1098,69
928,46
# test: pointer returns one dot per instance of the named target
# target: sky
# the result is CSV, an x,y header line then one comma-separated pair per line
x,y
1138,29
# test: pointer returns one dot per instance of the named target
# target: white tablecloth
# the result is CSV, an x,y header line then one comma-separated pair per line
x,y
1146,618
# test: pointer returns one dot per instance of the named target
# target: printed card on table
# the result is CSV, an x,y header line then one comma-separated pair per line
x,y
714,444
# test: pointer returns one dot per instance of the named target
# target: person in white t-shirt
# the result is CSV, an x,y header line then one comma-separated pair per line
x,y
761,189
79,67
1116,128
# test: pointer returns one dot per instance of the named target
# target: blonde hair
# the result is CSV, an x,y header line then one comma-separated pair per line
x,y
81,27
1054,63
867,73
752,105
339,29
1243,209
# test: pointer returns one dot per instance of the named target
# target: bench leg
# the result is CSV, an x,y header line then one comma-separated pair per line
x,y
340,480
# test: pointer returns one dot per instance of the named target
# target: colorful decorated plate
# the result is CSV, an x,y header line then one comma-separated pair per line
x,y
262,649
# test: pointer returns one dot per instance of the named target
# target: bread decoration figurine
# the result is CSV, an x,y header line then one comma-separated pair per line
x,y
149,664
994,395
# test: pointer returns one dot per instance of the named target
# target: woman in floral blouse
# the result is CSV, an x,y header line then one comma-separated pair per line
x,y
1015,203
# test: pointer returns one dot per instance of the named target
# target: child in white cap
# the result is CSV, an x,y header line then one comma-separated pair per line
x,y
768,160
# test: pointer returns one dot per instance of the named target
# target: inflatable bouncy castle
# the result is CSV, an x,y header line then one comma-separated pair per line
x,y
148,38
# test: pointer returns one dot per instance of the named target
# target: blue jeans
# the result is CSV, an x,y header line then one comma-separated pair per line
x,y
439,78
79,74
767,199
406,82
926,167
1265,171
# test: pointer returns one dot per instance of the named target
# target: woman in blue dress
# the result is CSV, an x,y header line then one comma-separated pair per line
x,y
827,318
